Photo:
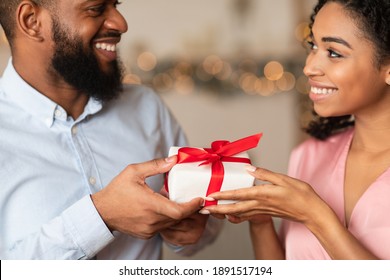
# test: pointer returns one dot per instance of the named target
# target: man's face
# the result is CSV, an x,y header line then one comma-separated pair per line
x,y
85,47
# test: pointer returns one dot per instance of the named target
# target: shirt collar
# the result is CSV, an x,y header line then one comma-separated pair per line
x,y
35,103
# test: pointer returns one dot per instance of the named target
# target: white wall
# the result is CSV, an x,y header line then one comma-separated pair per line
x,y
192,28
172,27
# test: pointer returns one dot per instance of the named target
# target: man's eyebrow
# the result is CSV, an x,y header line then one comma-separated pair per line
x,y
336,40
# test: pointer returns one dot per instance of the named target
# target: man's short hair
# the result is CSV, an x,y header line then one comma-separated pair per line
x,y
8,11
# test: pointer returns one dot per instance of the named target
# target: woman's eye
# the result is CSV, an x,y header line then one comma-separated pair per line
x,y
311,45
333,54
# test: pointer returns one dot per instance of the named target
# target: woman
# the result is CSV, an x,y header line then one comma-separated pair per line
x,y
335,203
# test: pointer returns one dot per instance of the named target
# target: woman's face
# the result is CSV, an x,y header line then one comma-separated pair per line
x,y
343,77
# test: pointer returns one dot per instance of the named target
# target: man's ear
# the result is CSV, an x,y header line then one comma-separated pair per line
x,y
388,75
28,20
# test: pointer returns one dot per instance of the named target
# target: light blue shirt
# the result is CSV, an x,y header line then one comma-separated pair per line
x,y
51,163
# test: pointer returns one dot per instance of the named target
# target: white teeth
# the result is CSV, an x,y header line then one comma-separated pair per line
x,y
106,47
317,90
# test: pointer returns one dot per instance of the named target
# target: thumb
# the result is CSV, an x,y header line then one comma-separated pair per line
x,y
192,206
180,211
153,167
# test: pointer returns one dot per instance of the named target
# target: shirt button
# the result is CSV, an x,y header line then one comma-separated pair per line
x,y
57,113
92,180
74,130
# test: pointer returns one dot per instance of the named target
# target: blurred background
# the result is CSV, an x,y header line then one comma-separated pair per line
x,y
227,69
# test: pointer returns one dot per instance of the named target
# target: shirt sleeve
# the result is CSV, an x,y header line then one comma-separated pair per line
x,y
78,233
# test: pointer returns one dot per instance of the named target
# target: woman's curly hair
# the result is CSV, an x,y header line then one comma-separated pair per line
x,y
373,18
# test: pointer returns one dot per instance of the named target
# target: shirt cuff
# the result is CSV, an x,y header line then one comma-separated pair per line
x,y
86,227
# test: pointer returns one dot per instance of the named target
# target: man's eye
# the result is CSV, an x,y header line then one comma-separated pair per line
x,y
97,9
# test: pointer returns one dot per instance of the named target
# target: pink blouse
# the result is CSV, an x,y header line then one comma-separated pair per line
x,y
322,165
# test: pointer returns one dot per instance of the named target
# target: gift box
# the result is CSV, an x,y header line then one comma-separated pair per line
x,y
202,171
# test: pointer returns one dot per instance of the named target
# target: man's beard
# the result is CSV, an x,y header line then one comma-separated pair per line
x,y
80,68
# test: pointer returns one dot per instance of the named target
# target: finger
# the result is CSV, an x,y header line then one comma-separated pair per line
x,y
180,211
180,238
220,209
236,209
164,192
219,216
192,206
183,225
240,194
267,175
235,219
170,235
153,167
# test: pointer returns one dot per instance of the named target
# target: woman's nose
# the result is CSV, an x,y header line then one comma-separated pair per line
x,y
312,66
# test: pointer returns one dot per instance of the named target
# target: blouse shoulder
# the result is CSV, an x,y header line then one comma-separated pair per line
x,y
314,151
329,145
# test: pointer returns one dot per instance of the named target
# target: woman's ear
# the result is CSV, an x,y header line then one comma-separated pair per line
x,y
28,20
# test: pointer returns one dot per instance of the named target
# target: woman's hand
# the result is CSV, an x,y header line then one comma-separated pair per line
x,y
282,196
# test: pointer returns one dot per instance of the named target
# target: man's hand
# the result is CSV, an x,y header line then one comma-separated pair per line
x,y
130,206
188,231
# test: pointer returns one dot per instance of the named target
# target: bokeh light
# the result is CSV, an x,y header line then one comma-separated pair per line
x,y
302,31
132,79
286,82
273,70
146,61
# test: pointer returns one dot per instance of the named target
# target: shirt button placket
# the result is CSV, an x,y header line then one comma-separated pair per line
x,y
74,130
86,158
92,180
57,113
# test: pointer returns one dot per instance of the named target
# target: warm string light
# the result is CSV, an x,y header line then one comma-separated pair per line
x,y
223,76
218,75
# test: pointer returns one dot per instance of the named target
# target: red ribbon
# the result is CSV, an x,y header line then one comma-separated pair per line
x,y
220,151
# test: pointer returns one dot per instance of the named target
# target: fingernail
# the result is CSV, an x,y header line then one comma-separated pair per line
x,y
170,159
204,212
250,168
207,198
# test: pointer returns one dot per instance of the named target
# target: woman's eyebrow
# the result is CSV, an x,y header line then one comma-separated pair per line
x,y
336,40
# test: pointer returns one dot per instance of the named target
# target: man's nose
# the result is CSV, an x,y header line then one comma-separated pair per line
x,y
116,21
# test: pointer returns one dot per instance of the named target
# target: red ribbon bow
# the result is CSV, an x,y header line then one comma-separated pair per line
x,y
220,151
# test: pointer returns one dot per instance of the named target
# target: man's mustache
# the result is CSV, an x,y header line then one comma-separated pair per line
x,y
109,34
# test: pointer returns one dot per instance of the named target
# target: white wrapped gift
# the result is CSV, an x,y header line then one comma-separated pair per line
x,y
190,180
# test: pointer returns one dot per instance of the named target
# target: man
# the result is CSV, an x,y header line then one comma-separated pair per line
x,y
68,128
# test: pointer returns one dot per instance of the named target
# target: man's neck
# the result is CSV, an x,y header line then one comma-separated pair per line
x,y
54,88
